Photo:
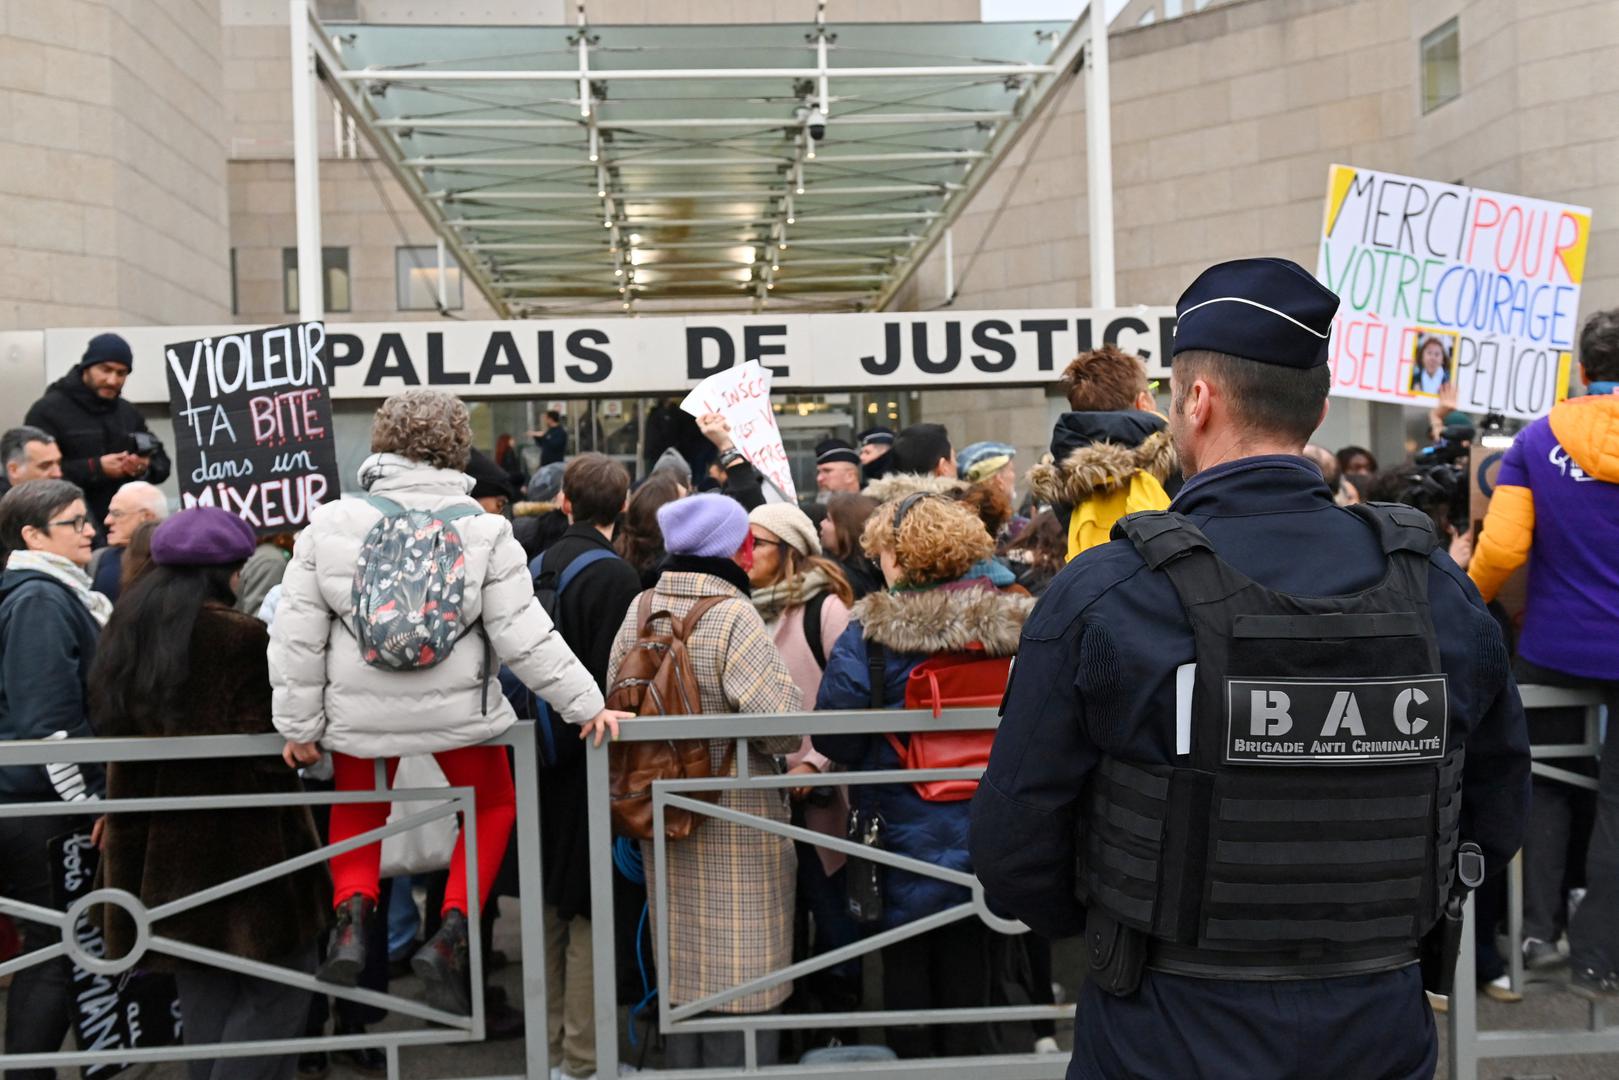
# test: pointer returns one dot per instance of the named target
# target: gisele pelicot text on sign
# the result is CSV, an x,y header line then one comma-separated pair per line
x,y
1446,286
615,357
253,424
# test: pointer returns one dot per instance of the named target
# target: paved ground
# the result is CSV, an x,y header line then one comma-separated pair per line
x,y
1546,1006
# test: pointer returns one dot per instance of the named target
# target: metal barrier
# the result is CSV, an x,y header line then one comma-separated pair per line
x,y
684,1017
1467,1045
454,800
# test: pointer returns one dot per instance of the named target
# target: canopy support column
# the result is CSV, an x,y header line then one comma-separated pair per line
x,y
306,166
1099,158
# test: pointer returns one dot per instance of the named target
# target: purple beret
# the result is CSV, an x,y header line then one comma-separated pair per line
x,y
203,536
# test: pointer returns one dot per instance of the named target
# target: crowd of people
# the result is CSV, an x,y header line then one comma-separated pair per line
x,y
916,563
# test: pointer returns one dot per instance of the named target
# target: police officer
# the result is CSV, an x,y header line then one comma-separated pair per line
x,y
1243,741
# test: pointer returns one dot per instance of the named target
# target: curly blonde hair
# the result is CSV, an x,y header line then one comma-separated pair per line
x,y
938,540
428,426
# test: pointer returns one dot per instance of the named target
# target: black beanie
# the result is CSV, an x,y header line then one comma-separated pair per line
x,y
108,349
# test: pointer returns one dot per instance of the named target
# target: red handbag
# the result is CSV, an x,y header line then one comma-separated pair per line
x,y
955,680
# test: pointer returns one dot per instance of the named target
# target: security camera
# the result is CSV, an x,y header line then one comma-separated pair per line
x,y
815,123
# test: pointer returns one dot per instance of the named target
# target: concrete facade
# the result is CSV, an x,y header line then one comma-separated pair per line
x,y
112,163
1224,125
141,158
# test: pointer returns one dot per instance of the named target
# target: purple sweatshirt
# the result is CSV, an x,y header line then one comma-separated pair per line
x,y
1569,462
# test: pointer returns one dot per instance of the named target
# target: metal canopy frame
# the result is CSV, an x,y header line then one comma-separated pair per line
x,y
592,170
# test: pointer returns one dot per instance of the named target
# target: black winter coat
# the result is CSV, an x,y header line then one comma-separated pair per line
x,y
47,644
164,856
87,426
589,615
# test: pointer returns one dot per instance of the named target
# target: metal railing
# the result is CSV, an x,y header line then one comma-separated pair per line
x,y
689,1017
1467,1044
447,801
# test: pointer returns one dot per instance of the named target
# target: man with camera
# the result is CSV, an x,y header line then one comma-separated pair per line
x,y
103,438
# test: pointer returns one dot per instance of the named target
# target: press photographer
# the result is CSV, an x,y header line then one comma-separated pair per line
x,y
103,438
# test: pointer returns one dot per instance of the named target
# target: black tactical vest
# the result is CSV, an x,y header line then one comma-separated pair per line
x,y
1311,829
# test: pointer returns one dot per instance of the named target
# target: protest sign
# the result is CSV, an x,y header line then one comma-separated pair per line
x,y
253,424
742,395
132,1010
1448,285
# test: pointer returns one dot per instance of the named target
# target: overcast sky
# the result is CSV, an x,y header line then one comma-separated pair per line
x,y
1020,10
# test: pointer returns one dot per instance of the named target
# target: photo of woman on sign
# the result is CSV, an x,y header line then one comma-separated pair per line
x,y
1430,368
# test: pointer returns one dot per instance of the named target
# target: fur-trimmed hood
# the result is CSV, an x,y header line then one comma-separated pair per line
x,y
1101,465
899,485
945,620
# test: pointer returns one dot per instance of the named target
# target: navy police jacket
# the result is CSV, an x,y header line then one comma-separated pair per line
x,y
1095,673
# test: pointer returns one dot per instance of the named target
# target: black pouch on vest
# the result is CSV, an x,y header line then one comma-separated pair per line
x,y
864,883
1116,953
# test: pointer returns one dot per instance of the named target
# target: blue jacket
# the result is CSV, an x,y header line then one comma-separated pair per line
x,y
47,644
1096,673
911,627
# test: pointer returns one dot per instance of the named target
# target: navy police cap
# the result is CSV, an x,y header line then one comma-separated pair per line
x,y
1269,310
830,450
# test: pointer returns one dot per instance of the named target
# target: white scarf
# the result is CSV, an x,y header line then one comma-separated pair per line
x,y
69,574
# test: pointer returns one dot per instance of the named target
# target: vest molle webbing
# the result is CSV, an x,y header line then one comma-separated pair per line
x,y
1311,829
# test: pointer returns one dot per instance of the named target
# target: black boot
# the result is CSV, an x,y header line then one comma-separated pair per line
x,y
365,1060
345,952
441,964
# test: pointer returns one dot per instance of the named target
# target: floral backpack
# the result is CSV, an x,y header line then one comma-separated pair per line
x,y
408,586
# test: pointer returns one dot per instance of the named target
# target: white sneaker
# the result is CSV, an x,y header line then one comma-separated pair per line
x,y
1046,1045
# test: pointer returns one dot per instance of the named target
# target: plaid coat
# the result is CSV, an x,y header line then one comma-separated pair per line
x,y
731,889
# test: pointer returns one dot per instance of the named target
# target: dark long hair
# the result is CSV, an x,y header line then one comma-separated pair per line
x,y
639,539
848,512
143,659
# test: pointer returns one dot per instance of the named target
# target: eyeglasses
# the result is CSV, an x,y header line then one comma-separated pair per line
x,y
76,523
757,540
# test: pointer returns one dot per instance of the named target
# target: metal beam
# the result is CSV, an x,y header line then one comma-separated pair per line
x,y
631,195
419,123
1064,65
365,117
959,71
647,158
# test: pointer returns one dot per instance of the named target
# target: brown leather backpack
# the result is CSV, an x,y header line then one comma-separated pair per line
x,y
656,678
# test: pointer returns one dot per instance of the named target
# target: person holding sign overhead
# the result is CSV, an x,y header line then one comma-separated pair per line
x,y
1251,746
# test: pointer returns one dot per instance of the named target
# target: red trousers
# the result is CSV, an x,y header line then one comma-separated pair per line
x,y
485,769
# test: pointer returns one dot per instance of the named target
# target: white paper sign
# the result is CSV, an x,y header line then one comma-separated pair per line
x,y
1448,286
742,395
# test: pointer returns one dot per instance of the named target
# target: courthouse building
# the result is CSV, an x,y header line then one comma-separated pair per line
x,y
147,178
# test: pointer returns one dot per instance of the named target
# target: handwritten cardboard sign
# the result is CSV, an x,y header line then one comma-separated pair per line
x,y
742,395
132,1010
253,424
1447,285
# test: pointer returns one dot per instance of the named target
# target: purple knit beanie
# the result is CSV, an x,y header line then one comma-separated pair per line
x,y
712,526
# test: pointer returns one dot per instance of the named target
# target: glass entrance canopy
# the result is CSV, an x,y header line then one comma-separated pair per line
x,y
660,168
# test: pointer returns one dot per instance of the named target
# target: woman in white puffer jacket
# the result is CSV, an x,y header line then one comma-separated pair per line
x,y
326,695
